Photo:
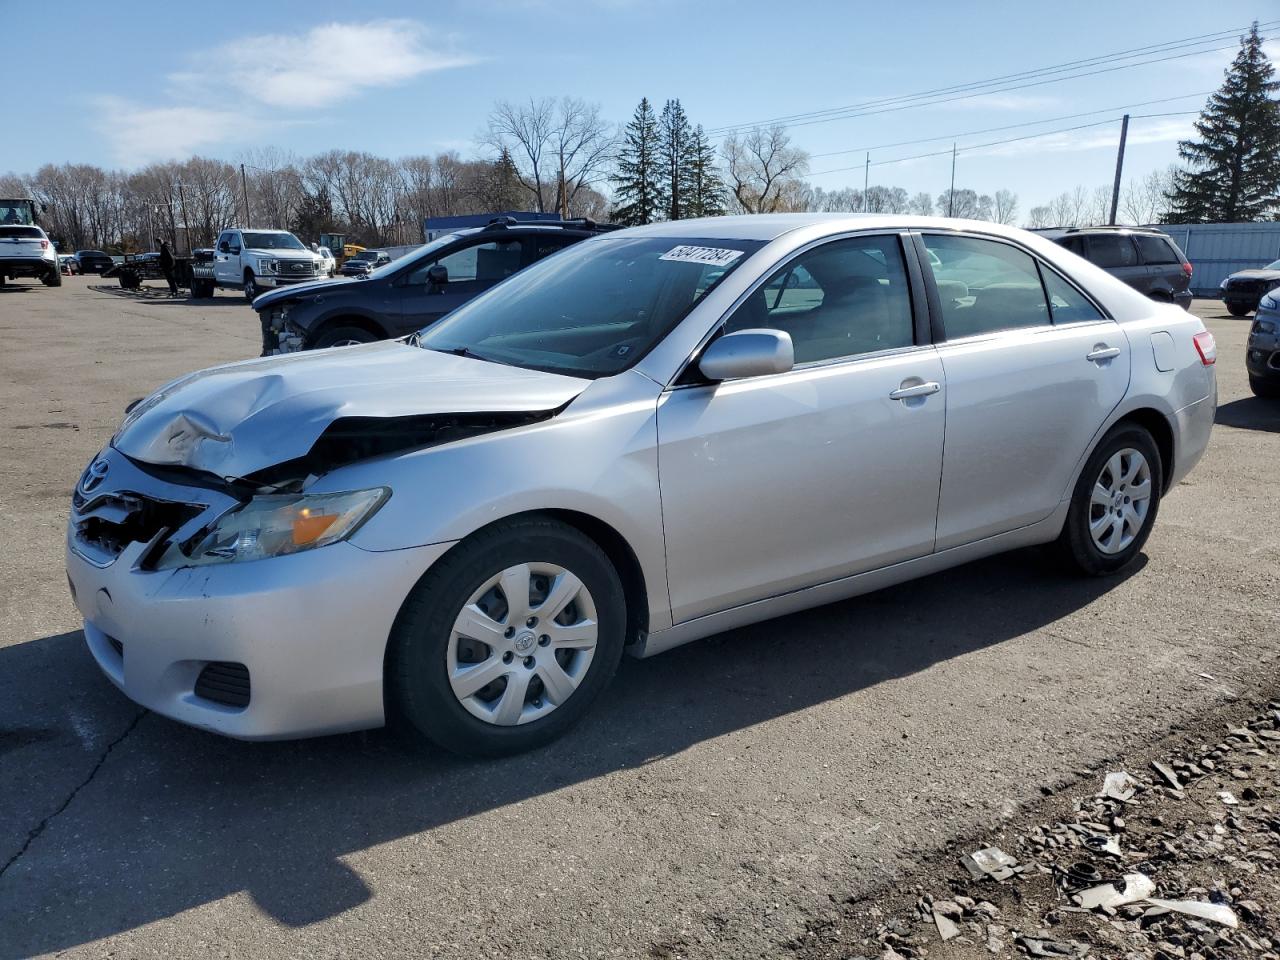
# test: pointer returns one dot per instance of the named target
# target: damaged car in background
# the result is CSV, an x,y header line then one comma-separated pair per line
x,y
658,434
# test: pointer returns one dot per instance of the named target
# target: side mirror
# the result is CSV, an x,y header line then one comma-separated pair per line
x,y
437,275
748,353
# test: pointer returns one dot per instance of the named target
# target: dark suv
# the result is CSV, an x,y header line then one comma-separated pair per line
x,y
1144,258
412,292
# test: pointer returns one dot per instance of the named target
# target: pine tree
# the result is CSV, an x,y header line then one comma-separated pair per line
x,y
1234,170
704,191
676,147
639,196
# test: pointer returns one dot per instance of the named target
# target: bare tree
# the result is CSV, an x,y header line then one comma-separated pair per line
x,y
760,165
524,130
1041,216
921,204
1145,200
1005,209
582,147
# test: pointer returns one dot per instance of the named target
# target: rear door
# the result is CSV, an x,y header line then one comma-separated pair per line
x,y
473,268
22,242
1166,275
1033,368
1116,254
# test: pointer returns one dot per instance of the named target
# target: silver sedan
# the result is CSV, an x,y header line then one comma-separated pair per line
x,y
655,435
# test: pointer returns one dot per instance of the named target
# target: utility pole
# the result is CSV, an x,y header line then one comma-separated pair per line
x,y
866,185
244,183
186,224
1115,189
951,196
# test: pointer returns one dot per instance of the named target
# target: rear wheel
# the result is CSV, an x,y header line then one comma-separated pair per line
x,y
1268,388
344,337
1238,309
505,644
1114,503
53,278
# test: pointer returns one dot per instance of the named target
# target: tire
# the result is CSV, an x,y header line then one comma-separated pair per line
x,y
1266,387
201,289
421,703
344,337
1239,309
250,286
130,280
1076,545
53,278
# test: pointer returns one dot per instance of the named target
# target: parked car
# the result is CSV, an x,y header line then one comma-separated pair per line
x,y
655,435
253,261
68,264
1262,352
409,293
1143,257
93,261
364,263
328,265
1243,290
25,251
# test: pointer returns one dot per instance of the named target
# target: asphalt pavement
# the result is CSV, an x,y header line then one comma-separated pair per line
x,y
718,797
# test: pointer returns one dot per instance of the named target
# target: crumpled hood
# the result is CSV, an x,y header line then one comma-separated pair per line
x,y
237,419
296,291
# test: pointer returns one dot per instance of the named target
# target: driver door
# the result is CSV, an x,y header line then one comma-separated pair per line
x,y
473,269
226,258
776,483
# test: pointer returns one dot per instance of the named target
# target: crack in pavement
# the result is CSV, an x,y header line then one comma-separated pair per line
x,y
40,828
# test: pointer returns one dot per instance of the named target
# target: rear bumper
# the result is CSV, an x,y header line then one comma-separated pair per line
x,y
26,266
1183,299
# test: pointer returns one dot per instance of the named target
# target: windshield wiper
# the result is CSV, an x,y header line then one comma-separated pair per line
x,y
460,352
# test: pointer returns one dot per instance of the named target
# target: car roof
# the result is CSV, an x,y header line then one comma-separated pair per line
x,y
770,226
1055,233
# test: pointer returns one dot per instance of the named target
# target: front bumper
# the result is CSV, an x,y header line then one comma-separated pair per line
x,y
310,628
271,280
1262,357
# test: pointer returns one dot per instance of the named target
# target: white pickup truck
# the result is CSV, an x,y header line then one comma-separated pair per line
x,y
253,261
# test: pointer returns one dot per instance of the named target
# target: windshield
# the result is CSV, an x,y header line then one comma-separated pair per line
x,y
272,241
409,259
592,310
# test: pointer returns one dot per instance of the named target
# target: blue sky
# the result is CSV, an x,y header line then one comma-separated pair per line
x,y
171,79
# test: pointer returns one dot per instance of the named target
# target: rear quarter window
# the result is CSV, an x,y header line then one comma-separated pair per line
x,y
1157,250
1112,251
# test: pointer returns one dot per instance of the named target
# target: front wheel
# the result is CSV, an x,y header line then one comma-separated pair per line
x,y
344,337
1114,503
507,641
250,286
1238,309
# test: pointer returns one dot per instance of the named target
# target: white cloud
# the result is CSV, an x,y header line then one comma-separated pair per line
x,y
1155,130
141,134
328,63
1003,101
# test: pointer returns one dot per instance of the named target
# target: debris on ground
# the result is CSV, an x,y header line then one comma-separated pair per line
x,y
1173,865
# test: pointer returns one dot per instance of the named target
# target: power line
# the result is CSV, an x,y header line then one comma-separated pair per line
x,y
997,143
1009,126
1074,69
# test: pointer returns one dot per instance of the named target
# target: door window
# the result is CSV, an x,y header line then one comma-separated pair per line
x,y
549,245
985,286
487,262
1112,251
841,299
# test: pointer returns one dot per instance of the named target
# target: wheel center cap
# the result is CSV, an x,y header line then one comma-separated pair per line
x,y
524,641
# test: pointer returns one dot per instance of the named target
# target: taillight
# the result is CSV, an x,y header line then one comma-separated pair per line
x,y
1207,347
44,244
1186,268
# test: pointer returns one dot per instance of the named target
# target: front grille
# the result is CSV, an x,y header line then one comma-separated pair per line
x,y
1249,286
111,522
298,268
224,683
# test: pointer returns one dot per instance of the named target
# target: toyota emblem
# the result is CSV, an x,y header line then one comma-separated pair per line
x,y
94,474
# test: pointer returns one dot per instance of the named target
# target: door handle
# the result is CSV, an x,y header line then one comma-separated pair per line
x,y
1102,352
919,390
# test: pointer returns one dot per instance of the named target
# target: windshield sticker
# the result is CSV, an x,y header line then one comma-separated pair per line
x,y
711,256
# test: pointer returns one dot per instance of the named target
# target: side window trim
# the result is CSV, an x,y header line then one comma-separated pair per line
x,y
682,379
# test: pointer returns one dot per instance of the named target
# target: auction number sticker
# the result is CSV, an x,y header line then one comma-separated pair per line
x,y
711,256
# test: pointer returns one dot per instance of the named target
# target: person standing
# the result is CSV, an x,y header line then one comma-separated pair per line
x,y
167,266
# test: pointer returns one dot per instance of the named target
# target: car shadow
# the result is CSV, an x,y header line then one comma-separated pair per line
x,y
1250,413
16,288
192,818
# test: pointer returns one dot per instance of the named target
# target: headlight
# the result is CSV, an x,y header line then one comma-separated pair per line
x,y
1223,284
268,266
1271,301
273,526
